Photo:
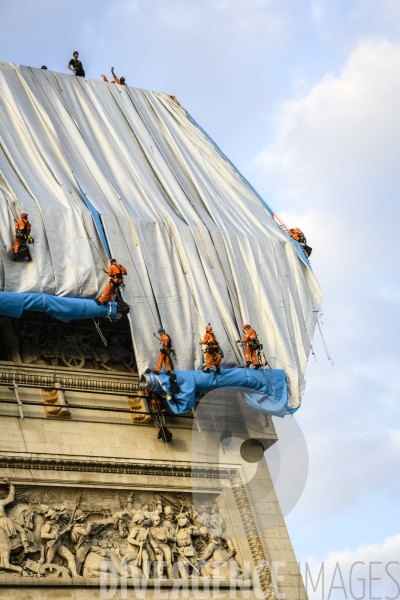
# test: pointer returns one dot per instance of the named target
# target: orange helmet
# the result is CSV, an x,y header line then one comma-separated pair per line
x,y
246,326
208,328
23,215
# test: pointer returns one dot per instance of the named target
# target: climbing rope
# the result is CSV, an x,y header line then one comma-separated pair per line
x,y
97,325
323,341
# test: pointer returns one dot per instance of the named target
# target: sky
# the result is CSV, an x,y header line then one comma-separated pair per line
x,y
303,96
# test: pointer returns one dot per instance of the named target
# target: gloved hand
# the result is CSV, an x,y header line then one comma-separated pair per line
x,y
31,240
238,341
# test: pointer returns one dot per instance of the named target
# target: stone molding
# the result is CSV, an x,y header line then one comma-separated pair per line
x,y
165,469
253,538
89,381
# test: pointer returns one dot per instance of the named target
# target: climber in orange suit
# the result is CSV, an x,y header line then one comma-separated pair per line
x,y
115,80
213,353
165,351
115,273
22,232
251,346
296,234
299,236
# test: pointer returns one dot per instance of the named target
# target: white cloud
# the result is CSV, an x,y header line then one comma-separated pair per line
x,y
362,573
333,164
343,135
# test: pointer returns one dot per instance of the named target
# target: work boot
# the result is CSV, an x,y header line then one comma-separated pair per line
x,y
15,257
98,302
257,366
218,371
206,370
156,372
248,364
168,372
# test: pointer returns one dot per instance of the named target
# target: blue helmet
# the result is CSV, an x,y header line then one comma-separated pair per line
x,y
161,330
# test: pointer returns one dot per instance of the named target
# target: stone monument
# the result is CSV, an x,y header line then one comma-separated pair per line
x,y
95,504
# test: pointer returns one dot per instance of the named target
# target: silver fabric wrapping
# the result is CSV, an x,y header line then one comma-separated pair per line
x,y
198,244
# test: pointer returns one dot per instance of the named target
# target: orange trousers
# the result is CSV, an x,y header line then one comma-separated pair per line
x,y
250,355
108,293
163,358
212,359
16,245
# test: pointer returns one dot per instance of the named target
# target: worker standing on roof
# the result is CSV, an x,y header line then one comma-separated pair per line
x,y
165,352
213,352
76,66
251,346
299,236
22,237
116,273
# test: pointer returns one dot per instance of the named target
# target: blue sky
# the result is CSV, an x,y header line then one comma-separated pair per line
x,y
303,96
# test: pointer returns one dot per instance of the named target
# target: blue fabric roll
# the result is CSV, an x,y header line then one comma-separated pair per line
x,y
264,389
64,309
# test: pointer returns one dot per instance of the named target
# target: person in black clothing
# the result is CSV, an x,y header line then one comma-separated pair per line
x,y
76,65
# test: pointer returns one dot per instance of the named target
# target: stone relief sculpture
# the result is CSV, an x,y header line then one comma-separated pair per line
x,y
58,533
73,347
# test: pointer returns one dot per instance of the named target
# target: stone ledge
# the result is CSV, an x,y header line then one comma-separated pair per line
x,y
111,466
151,583
70,379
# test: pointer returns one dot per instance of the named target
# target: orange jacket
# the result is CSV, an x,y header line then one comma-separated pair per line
x,y
116,271
210,339
23,225
250,336
165,341
116,79
296,233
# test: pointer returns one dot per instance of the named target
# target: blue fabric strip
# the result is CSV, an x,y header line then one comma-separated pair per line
x,y
299,248
231,163
300,252
97,220
13,304
264,389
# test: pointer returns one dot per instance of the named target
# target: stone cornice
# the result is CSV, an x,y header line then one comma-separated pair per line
x,y
69,379
109,466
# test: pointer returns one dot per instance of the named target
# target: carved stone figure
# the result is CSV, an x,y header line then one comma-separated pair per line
x,y
43,533
217,522
218,552
29,346
54,532
204,516
121,354
185,550
168,522
104,548
8,530
138,542
159,541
